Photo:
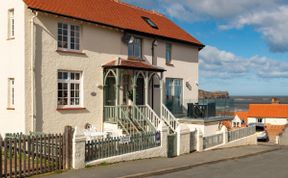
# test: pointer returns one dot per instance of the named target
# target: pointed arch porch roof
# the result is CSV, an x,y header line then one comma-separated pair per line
x,y
132,64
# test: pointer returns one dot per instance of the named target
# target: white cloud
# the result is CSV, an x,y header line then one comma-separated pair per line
x,y
215,63
272,25
268,17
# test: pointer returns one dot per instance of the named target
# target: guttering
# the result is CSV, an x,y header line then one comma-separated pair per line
x,y
32,70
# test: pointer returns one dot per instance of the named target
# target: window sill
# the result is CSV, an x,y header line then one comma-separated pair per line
x,y
11,109
71,109
169,64
11,38
70,52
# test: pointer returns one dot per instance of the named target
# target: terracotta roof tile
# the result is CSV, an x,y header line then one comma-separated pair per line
x,y
132,64
115,14
242,115
268,110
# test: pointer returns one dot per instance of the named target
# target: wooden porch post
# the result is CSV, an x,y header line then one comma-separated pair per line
x,y
117,86
117,83
146,87
134,85
161,93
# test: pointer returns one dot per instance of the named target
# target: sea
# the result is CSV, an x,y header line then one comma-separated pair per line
x,y
241,103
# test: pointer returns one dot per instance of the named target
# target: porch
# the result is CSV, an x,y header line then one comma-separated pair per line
x,y
133,94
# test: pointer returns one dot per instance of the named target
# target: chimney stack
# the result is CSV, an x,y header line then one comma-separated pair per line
x,y
275,101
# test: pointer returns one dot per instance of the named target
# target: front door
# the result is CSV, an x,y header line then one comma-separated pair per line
x,y
140,91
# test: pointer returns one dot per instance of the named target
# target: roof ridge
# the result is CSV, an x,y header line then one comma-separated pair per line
x,y
139,8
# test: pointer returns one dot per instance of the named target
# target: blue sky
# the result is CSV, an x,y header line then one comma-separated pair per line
x,y
246,42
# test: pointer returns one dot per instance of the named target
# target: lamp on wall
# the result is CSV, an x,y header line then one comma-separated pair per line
x,y
131,40
155,43
188,85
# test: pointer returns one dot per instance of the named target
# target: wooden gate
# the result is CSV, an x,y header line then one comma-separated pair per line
x,y
28,155
172,145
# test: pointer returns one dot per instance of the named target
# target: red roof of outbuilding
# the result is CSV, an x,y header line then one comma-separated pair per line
x,y
268,110
243,115
132,64
115,14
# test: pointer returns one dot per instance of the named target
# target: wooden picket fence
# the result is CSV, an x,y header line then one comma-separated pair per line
x,y
28,155
104,148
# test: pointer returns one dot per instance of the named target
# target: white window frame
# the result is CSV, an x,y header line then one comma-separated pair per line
x,y
68,81
168,49
11,93
69,37
134,47
173,88
11,24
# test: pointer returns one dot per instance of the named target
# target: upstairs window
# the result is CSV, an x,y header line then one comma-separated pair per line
x,y
150,22
168,53
68,37
11,93
69,89
135,48
11,24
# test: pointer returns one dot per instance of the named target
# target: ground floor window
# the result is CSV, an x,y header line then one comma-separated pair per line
x,y
69,89
174,94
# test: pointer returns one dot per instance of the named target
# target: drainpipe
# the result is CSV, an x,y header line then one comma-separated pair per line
x,y
154,62
32,70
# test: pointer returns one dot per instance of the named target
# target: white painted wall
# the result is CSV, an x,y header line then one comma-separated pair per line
x,y
236,121
12,66
272,121
211,129
99,45
207,129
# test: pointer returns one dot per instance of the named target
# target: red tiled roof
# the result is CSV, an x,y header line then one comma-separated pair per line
x,y
132,64
242,115
114,14
268,110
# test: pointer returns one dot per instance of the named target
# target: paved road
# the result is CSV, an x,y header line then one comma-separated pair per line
x,y
268,165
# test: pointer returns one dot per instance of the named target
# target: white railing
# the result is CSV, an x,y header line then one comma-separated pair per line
x,y
121,116
169,118
143,119
150,114
110,113
126,123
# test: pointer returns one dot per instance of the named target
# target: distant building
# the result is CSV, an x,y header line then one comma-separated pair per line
x,y
274,116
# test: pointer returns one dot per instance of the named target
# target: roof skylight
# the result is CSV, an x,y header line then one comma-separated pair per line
x,y
150,22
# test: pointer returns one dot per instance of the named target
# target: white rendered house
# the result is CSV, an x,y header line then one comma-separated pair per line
x,y
86,62
268,114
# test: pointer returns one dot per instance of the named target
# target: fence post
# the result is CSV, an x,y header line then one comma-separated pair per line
x,y
199,139
67,151
1,156
164,130
183,139
79,141
225,135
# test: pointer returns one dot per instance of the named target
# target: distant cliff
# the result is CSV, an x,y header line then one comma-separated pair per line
x,y
213,95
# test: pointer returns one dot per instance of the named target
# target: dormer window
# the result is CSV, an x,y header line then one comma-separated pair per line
x,y
150,22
